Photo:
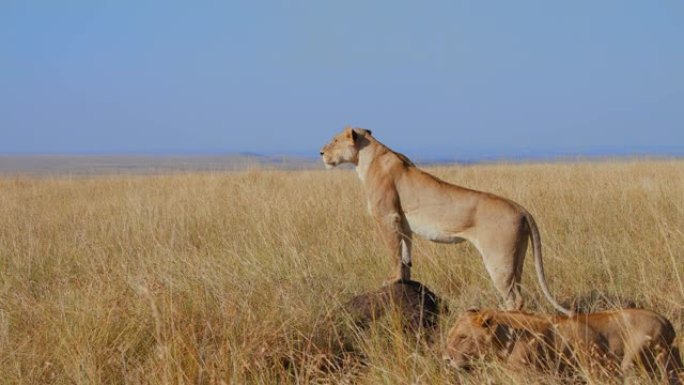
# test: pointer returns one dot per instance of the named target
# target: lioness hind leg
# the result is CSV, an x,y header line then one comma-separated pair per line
x,y
505,268
505,281
674,366
668,361
656,357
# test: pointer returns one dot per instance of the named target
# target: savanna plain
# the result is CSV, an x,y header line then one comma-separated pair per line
x,y
239,277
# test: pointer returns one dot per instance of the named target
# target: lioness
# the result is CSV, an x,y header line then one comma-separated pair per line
x,y
523,339
636,336
404,199
611,339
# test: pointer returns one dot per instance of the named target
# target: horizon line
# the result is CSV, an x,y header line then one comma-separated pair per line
x,y
472,155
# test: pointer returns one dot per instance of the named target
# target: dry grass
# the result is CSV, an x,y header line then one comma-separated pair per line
x,y
223,277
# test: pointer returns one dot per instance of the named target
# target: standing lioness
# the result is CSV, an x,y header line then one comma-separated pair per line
x,y
405,200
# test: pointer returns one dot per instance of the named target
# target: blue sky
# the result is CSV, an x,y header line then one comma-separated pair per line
x,y
444,78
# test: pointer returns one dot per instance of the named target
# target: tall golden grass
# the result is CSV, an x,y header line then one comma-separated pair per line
x,y
223,277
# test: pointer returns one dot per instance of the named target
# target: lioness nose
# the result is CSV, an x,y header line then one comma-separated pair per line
x,y
321,152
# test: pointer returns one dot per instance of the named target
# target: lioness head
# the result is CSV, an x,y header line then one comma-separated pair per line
x,y
344,147
472,337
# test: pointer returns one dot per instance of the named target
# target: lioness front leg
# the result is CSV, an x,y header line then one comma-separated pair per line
x,y
397,237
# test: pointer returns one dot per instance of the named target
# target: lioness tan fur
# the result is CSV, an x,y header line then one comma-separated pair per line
x,y
616,340
524,340
404,200
636,337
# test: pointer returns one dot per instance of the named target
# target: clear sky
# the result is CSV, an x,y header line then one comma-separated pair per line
x,y
448,78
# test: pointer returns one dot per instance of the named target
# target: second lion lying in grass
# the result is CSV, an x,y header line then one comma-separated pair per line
x,y
606,342
520,339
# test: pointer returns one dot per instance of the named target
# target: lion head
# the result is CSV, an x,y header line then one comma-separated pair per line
x,y
344,147
473,337
520,339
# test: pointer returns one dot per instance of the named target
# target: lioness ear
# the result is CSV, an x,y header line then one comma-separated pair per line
x,y
349,133
358,132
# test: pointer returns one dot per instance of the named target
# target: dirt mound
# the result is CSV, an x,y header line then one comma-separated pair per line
x,y
416,305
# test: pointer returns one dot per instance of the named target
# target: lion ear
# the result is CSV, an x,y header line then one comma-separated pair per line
x,y
486,320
